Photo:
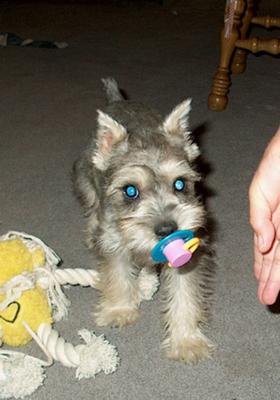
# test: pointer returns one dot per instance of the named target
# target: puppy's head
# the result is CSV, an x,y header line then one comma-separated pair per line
x,y
148,181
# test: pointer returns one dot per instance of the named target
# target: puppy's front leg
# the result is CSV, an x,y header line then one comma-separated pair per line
x,y
120,296
183,313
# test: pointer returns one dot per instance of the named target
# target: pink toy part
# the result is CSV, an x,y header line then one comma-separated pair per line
x,y
176,254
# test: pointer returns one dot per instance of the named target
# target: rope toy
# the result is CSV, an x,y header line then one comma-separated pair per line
x,y
31,300
176,249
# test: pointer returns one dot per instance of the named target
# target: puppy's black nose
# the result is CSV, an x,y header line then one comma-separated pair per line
x,y
165,228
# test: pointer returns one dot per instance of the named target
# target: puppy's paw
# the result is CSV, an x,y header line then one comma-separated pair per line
x,y
116,317
148,282
190,349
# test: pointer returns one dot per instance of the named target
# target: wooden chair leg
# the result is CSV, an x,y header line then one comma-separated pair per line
x,y
255,45
217,100
238,64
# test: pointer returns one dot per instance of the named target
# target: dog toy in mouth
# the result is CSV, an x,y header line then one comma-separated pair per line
x,y
176,249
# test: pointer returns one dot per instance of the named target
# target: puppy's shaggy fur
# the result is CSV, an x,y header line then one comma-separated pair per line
x,y
126,181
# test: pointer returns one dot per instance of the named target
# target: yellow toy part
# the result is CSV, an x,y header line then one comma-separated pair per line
x,y
15,258
33,308
192,244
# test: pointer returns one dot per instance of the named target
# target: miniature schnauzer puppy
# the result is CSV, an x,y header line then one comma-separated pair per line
x,y
137,184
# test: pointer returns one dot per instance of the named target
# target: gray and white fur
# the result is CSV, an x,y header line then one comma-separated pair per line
x,y
134,146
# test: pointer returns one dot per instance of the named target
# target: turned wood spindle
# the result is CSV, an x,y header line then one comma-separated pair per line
x,y
238,64
255,45
267,21
218,99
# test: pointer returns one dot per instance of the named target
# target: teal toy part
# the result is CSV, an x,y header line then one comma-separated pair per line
x,y
157,251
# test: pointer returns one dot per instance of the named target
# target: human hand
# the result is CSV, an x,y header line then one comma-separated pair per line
x,y
264,207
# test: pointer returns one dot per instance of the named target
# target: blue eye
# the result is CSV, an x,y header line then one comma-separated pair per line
x,y
179,185
131,192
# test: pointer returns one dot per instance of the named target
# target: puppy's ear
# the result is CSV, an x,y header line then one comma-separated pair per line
x,y
177,122
109,134
176,129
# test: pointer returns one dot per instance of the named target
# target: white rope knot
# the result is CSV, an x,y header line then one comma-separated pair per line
x,y
90,358
20,375
47,280
96,355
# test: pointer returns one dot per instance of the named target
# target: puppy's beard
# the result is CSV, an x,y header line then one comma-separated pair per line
x,y
139,234
138,237
189,216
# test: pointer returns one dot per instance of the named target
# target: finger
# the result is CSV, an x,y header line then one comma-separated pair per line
x,y
264,275
258,259
272,287
266,266
260,217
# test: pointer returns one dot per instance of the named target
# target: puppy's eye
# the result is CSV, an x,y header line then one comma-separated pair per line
x,y
179,185
131,192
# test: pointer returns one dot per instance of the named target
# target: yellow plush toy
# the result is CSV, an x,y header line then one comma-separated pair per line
x,y
31,299
15,259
